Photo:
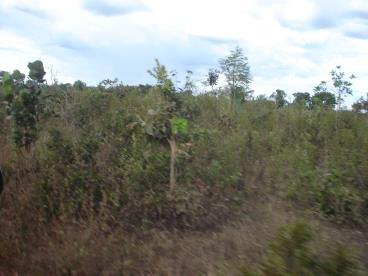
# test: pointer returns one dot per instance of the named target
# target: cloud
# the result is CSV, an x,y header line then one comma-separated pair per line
x,y
33,12
356,27
69,42
358,34
216,40
25,21
291,45
322,21
113,8
362,14
129,62
317,15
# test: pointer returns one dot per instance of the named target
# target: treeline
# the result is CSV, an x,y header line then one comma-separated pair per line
x,y
129,159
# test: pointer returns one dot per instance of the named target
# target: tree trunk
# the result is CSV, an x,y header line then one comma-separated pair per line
x,y
172,144
1,182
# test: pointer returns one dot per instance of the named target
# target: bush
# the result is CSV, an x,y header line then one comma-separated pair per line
x,y
296,250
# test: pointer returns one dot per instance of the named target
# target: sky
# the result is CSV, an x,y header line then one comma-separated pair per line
x,y
290,44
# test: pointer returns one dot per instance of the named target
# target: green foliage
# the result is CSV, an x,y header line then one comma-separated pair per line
x,y
336,198
179,126
237,72
23,103
108,85
18,77
60,149
116,153
295,251
72,185
302,99
212,78
7,85
290,253
162,77
323,99
80,85
90,104
340,86
36,71
361,106
279,97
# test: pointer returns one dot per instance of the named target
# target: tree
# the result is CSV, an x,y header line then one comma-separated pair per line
x,y
324,100
340,86
23,102
36,71
79,85
1,182
18,77
303,98
361,106
109,85
279,97
2,73
212,78
189,85
164,82
7,85
166,124
237,72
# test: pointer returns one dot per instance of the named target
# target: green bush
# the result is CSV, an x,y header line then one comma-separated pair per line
x,y
296,250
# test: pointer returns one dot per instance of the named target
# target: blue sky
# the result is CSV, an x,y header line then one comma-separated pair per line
x,y
291,44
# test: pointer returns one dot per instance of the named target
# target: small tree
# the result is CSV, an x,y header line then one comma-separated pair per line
x,y
324,100
237,72
212,78
79,85
303,98
341,87
36,71
189,84
361,105
108,85
166,125
164,82
279,96
18,77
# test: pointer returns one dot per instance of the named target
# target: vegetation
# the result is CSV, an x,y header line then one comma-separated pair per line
x,y
160,179
292,252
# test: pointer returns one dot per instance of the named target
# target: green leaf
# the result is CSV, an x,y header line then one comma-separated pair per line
x,y
7,83
179,125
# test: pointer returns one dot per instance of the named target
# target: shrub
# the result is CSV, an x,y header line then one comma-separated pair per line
x,y
296,250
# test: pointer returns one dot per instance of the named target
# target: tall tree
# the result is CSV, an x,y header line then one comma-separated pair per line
x,y
237,72
23,102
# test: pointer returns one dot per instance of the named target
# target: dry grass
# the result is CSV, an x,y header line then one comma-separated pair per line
x,y
95,248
